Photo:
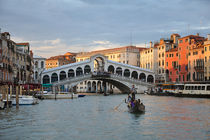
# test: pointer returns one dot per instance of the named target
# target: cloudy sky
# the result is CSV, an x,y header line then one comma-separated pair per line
x,y
53,27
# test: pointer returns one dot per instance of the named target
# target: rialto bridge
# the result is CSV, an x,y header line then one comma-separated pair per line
x,y
99,74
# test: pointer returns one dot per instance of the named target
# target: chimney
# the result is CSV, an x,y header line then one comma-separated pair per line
x,y
208,36
150,44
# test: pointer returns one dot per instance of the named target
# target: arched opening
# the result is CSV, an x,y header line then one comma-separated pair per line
x,y
94,86
99,88
42,64
71,73
79,71
119,71
36,64
46,79
150,79
87,69
99,64
111,69
36,75
134,75
127,73
54,77
62,75
89,86
142,77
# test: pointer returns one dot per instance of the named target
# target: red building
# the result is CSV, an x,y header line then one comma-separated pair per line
x,y
183,51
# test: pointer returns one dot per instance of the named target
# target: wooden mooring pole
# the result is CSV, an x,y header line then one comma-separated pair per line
x,y
17,96
7,90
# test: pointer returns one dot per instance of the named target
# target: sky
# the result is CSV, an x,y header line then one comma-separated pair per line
x,y
54,27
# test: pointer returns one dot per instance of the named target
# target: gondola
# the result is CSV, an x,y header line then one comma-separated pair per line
x,y
136,106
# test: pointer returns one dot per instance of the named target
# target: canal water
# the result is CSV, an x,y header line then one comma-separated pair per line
x,y
94,118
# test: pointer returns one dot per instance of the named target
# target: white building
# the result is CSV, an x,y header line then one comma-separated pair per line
x,y
39,67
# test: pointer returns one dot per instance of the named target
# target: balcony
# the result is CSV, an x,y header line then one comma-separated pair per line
x,y
199,68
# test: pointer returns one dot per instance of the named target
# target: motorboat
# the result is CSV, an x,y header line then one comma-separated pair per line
x,y
59,96
24,100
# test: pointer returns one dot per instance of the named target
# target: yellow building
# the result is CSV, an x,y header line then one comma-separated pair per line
x,y
60,60
128,55
148,58
207,58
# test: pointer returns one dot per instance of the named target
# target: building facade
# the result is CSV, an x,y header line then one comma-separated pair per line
x,y
60,60
128,55
15,61
207,59
39,67
164,46
183,51
172,65
148,58
7,58
196,61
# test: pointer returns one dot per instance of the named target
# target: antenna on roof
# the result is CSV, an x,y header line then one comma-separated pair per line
x,y
188,29
131,38
200,26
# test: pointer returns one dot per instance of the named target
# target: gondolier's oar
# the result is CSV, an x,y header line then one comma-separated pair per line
x,y
118,105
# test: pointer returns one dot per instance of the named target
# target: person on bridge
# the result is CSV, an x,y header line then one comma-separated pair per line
x,y
133,92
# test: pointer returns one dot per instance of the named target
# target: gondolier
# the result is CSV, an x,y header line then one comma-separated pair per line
x,y
133,92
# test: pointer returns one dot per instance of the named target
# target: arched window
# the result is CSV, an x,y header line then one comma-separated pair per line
x,y
79,71
46,79
36,75
62,75
119,71
54,77
134,75
42,64
71,73
127,73
87,69
36,64
150,79
111,69
142,77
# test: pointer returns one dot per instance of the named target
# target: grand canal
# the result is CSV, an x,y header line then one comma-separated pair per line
x,y
94,118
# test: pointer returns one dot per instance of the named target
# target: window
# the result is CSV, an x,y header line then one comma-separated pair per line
x,y
180,41
205,49
186,40
167,64
208,87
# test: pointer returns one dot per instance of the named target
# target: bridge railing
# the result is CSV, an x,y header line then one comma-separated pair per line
x,y
131,80
72,79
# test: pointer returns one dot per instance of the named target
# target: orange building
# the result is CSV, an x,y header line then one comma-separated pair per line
x,y
196,61
172,65
183,51
60,60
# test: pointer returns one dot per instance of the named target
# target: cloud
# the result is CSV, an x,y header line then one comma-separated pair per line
x,y
84,25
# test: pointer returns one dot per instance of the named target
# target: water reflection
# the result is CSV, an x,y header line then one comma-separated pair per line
x,y
94,117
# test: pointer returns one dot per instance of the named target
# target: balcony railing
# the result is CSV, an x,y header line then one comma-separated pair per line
x,y
199,68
